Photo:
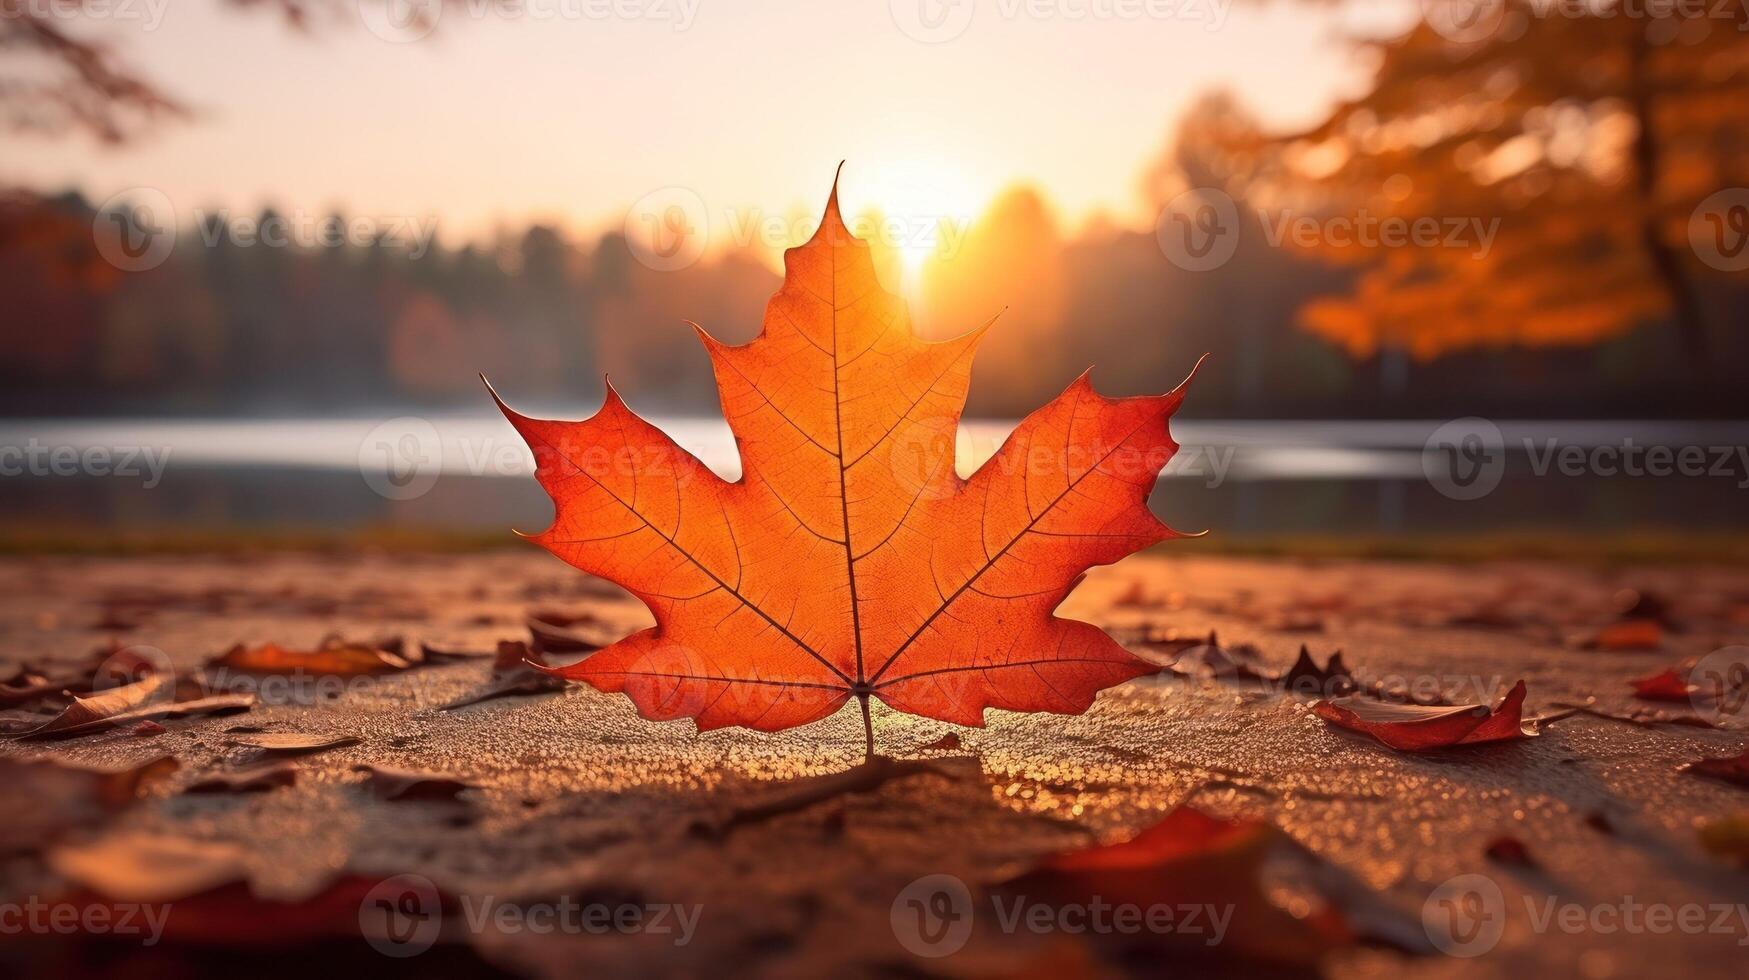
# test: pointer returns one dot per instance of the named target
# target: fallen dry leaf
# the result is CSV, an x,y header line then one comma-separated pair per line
x,y
1732,769
1509,851
514,674
257,778
149,868
1627,636
44,799
1209,658
115,706
108,704
1192,858
1415,728
1307,679
436,652
333,657
850,559
389,783
26,684
108,667
292,743
1667,685
558,632
101,712
1727,837
204,931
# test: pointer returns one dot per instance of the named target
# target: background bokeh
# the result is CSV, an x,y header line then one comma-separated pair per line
x,y
252,233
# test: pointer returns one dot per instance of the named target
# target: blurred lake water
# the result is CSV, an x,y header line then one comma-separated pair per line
x,y
472,472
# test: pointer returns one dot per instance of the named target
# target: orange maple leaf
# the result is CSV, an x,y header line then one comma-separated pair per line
x,y
850,559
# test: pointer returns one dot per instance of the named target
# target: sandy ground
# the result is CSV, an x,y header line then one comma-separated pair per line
x,y
571,794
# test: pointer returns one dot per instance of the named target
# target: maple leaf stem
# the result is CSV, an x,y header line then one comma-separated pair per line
x,y
867,729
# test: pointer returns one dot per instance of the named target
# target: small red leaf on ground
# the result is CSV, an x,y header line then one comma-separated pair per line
x,y
1627,635
1415,728
1733,769
1668,685
1509,851
1190,857
219,914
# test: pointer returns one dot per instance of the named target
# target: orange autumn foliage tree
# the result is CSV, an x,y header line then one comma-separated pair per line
x,y
1590,138
850,559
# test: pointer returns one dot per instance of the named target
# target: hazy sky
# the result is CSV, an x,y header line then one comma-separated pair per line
x,y
569,117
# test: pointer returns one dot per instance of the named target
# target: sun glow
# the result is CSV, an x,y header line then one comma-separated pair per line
x,y
914,208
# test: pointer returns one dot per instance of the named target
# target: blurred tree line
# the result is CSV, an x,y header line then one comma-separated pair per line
x,y
234,328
